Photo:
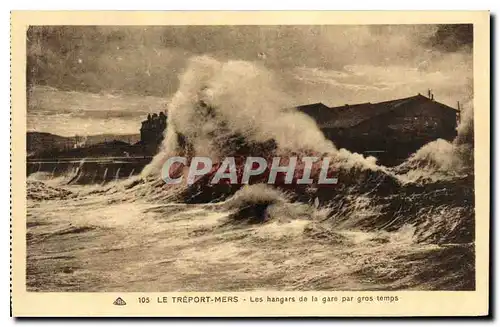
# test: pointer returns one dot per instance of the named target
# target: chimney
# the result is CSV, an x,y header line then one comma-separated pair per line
x,y
432,96
429,93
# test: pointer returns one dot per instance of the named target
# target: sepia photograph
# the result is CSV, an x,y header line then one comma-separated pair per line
x,y
250,158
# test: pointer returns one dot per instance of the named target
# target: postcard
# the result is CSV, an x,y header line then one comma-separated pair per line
x,y
250,164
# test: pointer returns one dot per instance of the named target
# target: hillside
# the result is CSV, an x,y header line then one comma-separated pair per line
x,y
38,142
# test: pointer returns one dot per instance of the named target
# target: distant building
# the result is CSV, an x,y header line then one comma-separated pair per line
x,y
390,130
152,129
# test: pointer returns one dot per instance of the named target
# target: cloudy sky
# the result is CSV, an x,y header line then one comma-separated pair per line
x,y
90,80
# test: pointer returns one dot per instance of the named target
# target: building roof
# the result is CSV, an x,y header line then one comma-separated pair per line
x,y
351,115
319,111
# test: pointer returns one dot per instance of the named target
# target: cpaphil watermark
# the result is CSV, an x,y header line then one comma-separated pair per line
x,y
248,170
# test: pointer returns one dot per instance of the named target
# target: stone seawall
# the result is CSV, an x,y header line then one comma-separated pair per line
x,y
88,171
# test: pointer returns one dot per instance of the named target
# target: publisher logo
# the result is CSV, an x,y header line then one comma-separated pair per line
x,y
119,301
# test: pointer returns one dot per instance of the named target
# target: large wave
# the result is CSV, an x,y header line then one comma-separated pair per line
x,y
221,107
417,219
236,108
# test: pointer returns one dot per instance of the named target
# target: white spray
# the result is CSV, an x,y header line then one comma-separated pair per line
x,y
218,99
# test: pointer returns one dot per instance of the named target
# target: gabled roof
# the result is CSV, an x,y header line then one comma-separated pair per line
x,y
319,111
351,115
312,106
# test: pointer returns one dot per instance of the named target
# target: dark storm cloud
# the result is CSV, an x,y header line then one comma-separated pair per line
x,y
98,59
452,38
148,60
88,70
